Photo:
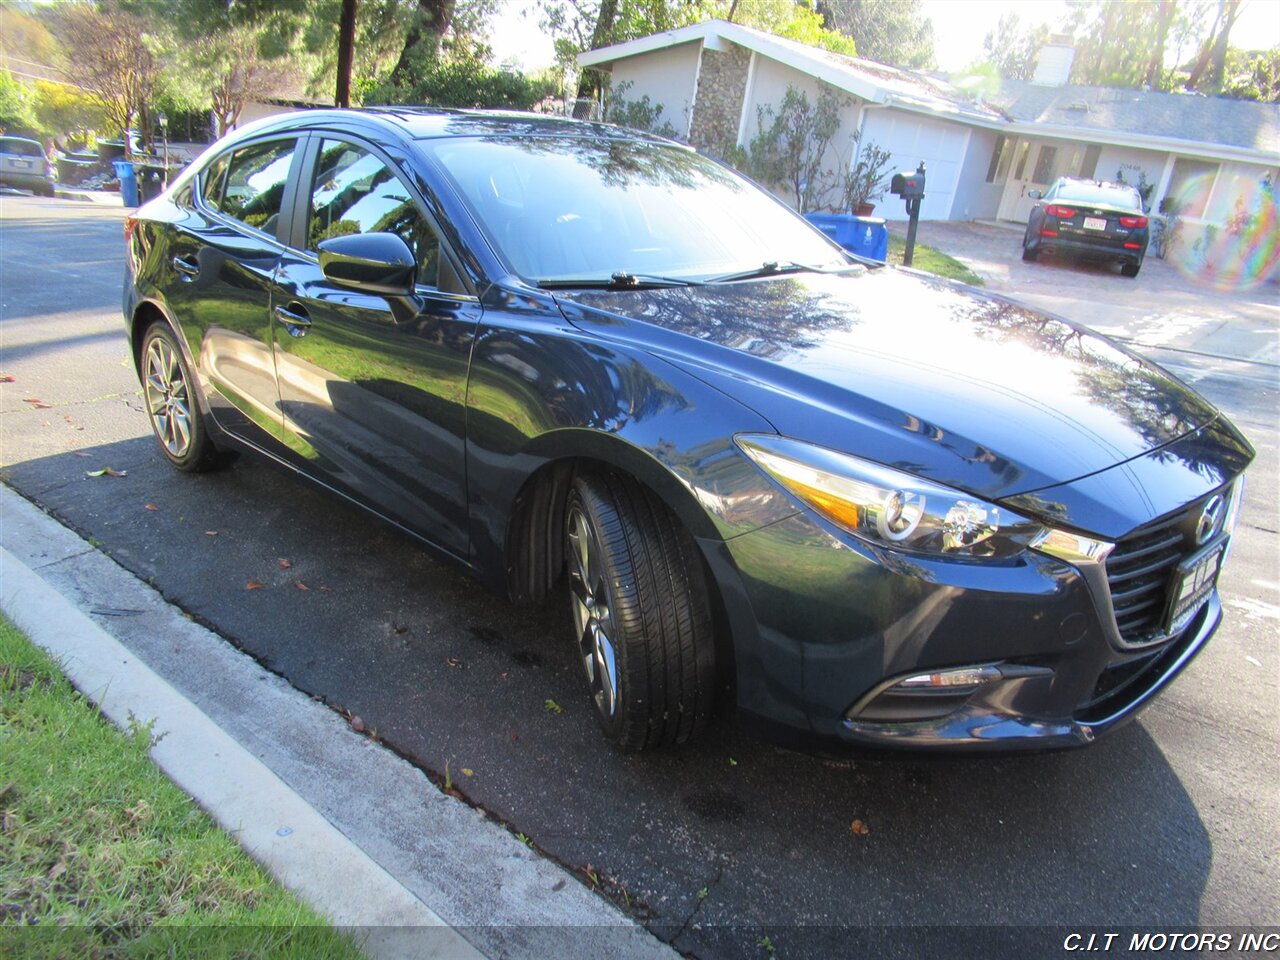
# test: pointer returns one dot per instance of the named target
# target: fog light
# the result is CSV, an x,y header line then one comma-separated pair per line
x,y
960,677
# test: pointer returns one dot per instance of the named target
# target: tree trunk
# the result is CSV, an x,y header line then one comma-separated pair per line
x,y
431,22
601,36
1155,67
346,50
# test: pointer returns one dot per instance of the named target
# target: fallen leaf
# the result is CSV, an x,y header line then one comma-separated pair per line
x,y
859,828
6,379
253,585
357,724
38,404
733,762
211,533
81,453
324,589
106,472
468,772
454,662
151,506
300,585
1255,661
284,564
553,707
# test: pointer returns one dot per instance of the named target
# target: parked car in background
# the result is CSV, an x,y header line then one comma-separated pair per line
x,y
1089,219
24,164
863,505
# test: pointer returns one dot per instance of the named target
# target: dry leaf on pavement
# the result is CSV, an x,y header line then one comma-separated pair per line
x,y
253,585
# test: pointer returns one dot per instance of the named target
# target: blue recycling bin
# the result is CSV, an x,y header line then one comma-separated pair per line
x,y
128,182
866,236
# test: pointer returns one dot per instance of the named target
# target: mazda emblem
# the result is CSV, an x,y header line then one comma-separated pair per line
x,y
1208,521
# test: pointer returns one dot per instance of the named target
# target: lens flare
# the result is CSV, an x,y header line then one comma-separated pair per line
x,y
1229,245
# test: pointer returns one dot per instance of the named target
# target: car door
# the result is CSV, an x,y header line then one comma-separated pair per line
x,y
373,388
222,257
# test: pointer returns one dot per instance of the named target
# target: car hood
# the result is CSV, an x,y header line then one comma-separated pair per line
x,y
925,375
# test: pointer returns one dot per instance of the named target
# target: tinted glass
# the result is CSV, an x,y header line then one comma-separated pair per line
x,y
562,208
255,183
1113,196
355,192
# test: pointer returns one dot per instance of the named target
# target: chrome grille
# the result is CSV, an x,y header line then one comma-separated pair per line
x,y
1139,571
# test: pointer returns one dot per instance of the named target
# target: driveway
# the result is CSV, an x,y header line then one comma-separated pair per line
x,y
1161,307
732,848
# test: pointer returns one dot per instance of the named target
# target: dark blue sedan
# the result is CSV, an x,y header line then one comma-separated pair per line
x,y
862,505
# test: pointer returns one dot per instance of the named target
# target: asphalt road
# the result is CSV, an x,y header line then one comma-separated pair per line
x,y
1172,821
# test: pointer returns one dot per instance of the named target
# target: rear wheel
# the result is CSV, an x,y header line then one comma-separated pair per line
x,y
1130,269
640,613
1029,254
172,405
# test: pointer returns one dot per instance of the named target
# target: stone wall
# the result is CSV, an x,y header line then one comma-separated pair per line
x,y
717,106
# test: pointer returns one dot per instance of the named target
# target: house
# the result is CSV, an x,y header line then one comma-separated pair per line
x,y
983,153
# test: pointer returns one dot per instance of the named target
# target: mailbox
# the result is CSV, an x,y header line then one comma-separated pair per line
x,y
909,184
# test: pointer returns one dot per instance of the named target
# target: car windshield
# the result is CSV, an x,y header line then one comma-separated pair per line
x,y
1104,193
563,208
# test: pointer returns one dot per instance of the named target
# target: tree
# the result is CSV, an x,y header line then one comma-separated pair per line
x,y
790,148
1252,75
15,104
1207,71
109,56
61,109
229,64
888,31
1115,41
1013,49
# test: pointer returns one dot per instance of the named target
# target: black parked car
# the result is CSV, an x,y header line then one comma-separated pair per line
x,y
1089,219
23,164
864,505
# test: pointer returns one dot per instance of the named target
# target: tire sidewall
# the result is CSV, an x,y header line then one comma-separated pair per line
x,y
194,456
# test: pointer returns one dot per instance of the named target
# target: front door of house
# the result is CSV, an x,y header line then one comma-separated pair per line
x,y
1034,166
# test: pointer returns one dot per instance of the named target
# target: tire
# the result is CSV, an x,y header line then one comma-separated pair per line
x,y
1030,255
172,406
1130,269
629,556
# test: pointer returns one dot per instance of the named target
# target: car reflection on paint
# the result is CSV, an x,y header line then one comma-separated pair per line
x,y
855,504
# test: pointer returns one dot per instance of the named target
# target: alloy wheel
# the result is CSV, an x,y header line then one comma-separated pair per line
x,y
168,397
593,617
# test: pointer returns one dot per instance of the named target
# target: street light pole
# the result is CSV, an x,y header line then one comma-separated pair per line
x,y
164,137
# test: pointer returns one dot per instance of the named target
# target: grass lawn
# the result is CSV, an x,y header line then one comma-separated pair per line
x,y
933,261
101,855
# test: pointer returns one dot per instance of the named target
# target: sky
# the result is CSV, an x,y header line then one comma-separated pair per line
x,y
959,27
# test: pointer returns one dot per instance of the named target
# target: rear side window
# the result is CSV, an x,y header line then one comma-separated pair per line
x,y
252,188
355,192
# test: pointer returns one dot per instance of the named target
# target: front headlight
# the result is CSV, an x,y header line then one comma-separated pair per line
x,y
887,507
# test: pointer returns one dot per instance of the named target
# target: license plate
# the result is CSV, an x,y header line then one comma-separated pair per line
x,y
1095,223
1193,580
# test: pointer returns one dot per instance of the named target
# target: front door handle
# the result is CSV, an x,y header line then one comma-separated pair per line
x,y
186,268
295,321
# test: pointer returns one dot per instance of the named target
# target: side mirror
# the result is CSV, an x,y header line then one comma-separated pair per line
x,y
370,262
1034,194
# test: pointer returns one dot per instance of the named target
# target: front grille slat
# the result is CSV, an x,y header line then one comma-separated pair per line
x,y
1139,572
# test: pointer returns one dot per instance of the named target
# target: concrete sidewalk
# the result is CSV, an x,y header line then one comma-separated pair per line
x,y
358,833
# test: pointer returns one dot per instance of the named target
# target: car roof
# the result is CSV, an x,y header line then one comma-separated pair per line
x,y
424,123
1098,183
7,137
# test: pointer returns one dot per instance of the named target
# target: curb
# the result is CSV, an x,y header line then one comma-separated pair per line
x,y
355,831
273,824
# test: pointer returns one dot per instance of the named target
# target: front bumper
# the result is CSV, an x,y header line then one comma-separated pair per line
x,y
826,623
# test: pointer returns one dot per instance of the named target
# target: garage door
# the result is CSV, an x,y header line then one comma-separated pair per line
x,y
910,139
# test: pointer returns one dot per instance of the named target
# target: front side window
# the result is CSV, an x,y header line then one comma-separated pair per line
x,y
355,192
254,185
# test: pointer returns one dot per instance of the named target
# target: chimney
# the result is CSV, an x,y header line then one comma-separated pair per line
x,y
1053,68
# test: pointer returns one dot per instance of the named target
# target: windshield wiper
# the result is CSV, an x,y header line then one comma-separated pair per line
x,y
622,280
773,268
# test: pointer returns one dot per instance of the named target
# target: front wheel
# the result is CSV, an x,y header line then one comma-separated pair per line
x,y
172,405
640,613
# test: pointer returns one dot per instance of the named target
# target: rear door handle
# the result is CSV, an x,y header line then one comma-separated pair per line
x,y
186,268
296,322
